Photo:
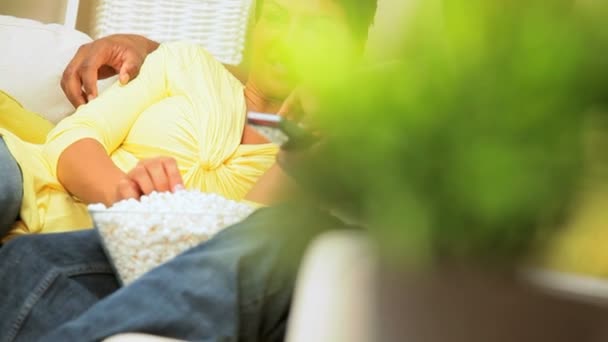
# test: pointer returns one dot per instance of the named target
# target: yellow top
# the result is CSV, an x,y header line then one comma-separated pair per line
x,y
26,125
183,104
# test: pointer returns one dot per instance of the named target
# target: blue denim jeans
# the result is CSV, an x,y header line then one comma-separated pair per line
x,y
11,189
234,287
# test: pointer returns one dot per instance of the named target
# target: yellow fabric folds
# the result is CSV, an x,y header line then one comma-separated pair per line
x,y
183,104
27,125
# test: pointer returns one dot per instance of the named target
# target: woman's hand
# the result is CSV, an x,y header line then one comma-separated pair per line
x,y
122,54
157,174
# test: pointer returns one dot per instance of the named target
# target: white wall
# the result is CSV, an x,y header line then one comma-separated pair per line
x,y
48,11
86,16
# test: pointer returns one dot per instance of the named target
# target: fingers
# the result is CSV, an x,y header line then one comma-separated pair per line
x,y
159,174
72,88
100,59
89,75
128,71
158,178
163,174
70,80
142,179
172,172
300,107
79,79
126,189
292,108
124,77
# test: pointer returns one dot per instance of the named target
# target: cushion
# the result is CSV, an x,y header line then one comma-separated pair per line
x,y
33,57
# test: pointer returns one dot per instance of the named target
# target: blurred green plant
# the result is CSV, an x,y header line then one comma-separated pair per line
x,y
471,145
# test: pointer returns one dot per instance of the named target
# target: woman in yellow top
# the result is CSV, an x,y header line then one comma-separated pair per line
x,y
184,104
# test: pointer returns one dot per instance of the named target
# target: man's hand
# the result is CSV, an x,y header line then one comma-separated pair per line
x,y
293,106
105,57
158,174
277,183
299,110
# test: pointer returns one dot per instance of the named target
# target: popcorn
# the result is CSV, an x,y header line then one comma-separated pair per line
x,y
140,235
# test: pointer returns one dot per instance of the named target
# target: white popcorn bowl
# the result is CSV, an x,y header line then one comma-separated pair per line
x,y
137,241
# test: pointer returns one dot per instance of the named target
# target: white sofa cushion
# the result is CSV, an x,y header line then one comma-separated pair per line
x,y
32,61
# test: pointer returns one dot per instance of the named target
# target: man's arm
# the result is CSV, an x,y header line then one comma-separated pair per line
x,y
121,54
277,185
273,187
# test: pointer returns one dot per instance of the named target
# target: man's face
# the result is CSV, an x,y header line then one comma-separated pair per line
x,y
294,39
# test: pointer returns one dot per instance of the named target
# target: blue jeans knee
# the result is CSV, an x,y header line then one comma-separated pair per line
x,y
11,189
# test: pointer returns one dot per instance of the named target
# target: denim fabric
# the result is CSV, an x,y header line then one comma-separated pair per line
x,y
11,189
48,280
235,287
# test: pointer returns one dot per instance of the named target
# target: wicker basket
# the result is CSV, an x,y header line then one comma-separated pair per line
x,y
218,25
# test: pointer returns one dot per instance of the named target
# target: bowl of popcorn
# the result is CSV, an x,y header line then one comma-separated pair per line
x,y
139,235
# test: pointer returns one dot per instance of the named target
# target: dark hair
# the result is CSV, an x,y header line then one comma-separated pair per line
x,y
359,14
